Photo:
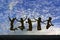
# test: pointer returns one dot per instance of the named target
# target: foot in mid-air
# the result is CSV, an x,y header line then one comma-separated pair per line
x,y
14,29
29,29
21,28
39,29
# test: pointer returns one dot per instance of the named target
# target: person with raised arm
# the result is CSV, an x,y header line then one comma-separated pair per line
x,y
30,24
38,23
22,23
49,23
11,23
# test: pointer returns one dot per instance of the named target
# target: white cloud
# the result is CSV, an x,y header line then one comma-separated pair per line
x,y
12,4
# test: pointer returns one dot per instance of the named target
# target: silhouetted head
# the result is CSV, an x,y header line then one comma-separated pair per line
x,y
29,19
50,18
14,18
21,18
39,18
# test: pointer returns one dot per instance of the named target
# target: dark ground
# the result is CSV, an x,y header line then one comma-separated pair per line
x,y
30,37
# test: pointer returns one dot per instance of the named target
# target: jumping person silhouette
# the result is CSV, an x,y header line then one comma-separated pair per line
x,y
38,23
11,23
22,23
30,24
49,23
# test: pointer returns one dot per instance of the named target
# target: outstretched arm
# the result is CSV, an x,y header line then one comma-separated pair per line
x,y
45,21
9,18
25,18
51,24
17,20
35,19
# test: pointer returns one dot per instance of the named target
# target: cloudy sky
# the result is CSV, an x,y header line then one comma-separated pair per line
x,y
29,8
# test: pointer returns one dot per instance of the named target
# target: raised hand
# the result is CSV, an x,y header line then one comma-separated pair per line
x,y
9,18
34,18
25,18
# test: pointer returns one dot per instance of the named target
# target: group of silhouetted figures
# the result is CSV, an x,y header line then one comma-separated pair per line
x,y
39,21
